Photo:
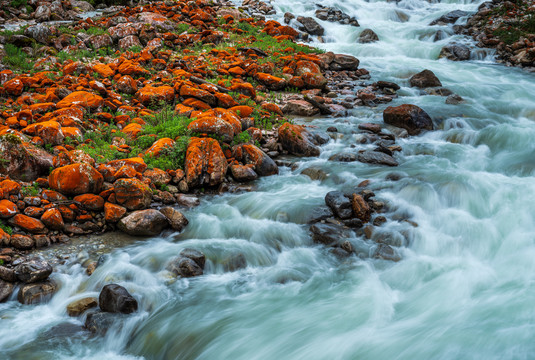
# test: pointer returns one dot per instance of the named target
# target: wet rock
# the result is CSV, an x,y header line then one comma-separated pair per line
x,y
113,212
176,219
449,18
319,213
36,293
194,255
235,262
424,79
310,26
339,204
185,267
263,164
98,322
33,270
374,128
297,140
454,99
455,52
78,307
344,62
299,108
361,209
368,36
6,289
329,234
116,299
314,173
335,15
243,173
7,274
409,117
343,157
386,252
144,223
376,157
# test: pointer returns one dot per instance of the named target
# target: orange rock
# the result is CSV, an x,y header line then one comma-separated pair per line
x,y
90,201
154,95
159,146
10,187
126,85
225,100
7,209
183,110
71,132
213,126
271,82
297,140
314,81
226,115
103,70
52,219
28,224
125,172
66,213
236,71
302,67
132,194
205,163
136,162
81,98
42,107
245,89
129,68
203,95
273,108
76,179
52,196
196,104
132,129
242,110
49,131
157,176
263,164
14,87
113,212
5,238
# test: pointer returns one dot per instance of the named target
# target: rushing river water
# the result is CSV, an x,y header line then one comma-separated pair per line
x,y
464,288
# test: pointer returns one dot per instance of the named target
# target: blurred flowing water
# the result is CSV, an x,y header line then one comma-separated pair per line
x,y
464,288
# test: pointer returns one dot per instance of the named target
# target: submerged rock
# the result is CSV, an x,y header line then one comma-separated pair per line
x,y
35,293
409,117
376,157
455,52
368,36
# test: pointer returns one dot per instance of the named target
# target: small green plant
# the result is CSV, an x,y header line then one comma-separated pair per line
x,y
7,229
32,190
17,58
242,138
18,3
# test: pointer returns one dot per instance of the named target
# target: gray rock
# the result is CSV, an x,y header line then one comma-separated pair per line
x,y
329,234
7,274
455,52
36,292
343,157
116,299
409,117
176,219
319,213
344,62
314,173
39,33
98,322
148,222
194,255
449,18
235,262
368,36
185,267
376,157
339,204
310,26
454,99
33,270
42,13
424,79
386,252
6,289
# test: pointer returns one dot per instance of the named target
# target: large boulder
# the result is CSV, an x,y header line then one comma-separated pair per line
x,y
299,108
213,126
205,163
39,33
116,299
148,222
28,224
35,293
263,165
344,62
132,194
21,160
76,179
176,219
455,52
424,79
309,25
297,140
409,117
81,98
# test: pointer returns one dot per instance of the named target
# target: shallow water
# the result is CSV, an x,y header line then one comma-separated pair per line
x,y
464,288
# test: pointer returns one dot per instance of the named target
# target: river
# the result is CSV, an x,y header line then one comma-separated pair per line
x,y
464,288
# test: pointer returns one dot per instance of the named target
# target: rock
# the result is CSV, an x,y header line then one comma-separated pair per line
x,y
194,255
263,165
271,82
6,289
98,322
344,62
299,108
52,219
42,13
39,33
343,157
90,202
315,173
310,26
319,213
386,252
409,117
22,242
329,234
243,173
455,52
361,209
116,299
150,95
185,267
7,209
205,163
339,204
454,99
144,223
113,212
21,160
424,79
213,126
449,18
28,224
176,219
78,307
76,179
81,98
376,157
33,270
35,293
368,36
297,140
132,194
235,262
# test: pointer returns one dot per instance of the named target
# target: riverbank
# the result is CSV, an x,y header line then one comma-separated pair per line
x,y
508,27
